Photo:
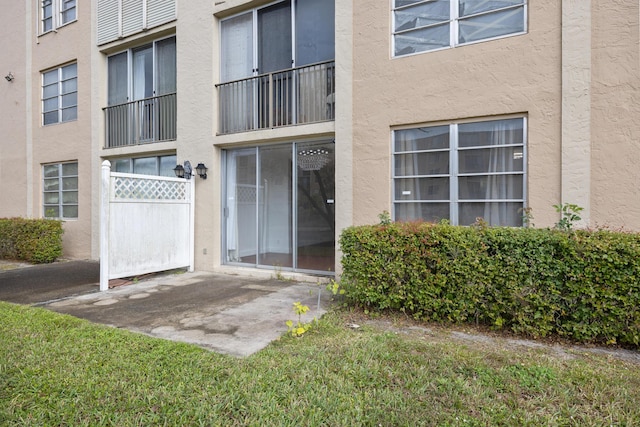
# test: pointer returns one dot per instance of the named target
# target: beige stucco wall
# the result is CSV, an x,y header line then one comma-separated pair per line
x,y
615,115
513,75
14,26
69,141
196,44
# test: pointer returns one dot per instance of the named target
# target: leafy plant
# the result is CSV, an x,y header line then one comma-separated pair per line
x,y
300,328
385,218
527,217
583,285
33,240
335,288
570,214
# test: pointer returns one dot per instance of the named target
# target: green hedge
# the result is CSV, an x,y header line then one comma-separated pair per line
x,y
582,285
32,240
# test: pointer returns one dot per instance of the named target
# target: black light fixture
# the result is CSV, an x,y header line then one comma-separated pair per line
x,y
179,171
202,170
9,77
185,171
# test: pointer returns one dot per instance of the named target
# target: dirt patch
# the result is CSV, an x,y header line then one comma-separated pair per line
x,y
6,265
484,338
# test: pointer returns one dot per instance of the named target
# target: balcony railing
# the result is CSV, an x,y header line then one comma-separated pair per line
x,y
140,122
283,98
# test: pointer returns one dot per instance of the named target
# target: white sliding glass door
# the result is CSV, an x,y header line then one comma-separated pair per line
x,y
279,206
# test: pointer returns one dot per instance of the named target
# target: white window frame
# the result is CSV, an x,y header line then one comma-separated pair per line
x,y
454,175
59,94
453,23
60,191
56,15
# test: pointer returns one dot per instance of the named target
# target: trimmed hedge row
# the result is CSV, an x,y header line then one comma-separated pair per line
x,y
583,285
32,240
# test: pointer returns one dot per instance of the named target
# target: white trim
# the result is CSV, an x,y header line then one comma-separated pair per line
x,y
56,16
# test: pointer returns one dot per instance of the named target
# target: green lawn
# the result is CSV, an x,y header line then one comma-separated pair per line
x,y
58,370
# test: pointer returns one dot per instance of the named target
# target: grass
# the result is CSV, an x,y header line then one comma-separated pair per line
x,y
59,370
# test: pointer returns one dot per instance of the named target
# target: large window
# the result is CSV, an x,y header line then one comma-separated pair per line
x,y
423,25
280,36
60,190
461,172
141,94
156,165
56,13
60,94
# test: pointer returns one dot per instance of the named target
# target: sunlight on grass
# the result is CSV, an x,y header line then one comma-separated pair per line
x,y
58,370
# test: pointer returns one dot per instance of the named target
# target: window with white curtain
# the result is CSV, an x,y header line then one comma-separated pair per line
x,y
461,172
60,94
60,190
424,25
142,72
56,13
281,35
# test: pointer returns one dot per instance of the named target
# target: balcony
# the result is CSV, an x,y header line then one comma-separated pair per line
x,y
283,98
143,121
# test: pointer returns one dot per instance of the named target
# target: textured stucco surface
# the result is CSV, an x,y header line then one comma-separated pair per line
x,y
69,141
13,105
576,105
515,75
615,115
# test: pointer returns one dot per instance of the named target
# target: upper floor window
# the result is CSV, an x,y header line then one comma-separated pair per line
x,y
461,172
141,94
60,94
287,34
56,13
60,190
424,25
156,165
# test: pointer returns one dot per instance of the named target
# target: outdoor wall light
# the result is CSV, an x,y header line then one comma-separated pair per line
x,y
185,171
202,170
9,77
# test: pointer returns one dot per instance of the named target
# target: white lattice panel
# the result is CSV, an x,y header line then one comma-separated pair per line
x,y
148,189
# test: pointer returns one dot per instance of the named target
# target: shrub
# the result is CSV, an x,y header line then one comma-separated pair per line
x,y
32,240
583,285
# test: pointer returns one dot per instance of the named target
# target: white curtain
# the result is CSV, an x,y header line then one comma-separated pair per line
x,y
232,207
166,66
117,70
236,100
501,186
236,47
141,59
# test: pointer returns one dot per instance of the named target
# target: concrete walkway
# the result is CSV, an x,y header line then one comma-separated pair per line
x,y
230,314
233,314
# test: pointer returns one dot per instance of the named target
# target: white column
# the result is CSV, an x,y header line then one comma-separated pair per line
x,y
105,197
192,220
343,122
576,105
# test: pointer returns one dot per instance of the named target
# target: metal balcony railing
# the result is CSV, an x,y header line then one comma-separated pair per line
x,y
140,122
282,98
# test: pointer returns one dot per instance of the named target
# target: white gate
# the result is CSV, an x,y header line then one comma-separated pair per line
x,y
146,224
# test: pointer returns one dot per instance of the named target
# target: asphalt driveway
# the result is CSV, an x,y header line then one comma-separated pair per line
x,y
47,282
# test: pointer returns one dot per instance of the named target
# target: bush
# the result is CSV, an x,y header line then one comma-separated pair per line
x,y
32,240
583,285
